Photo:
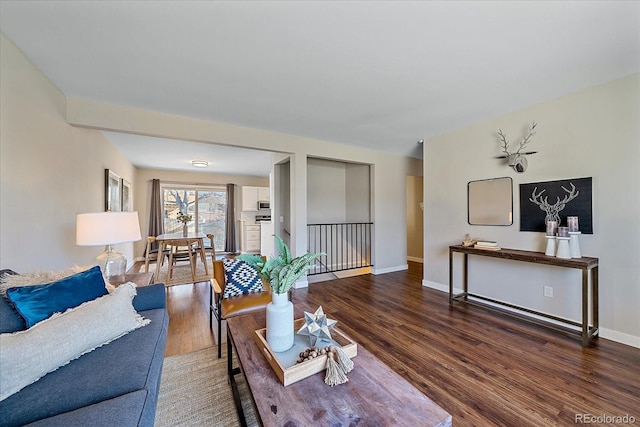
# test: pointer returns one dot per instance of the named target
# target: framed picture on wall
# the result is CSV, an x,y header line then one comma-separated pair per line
x,y
567,197
126,202
112,191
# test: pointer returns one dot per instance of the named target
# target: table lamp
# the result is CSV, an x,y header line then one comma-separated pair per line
x,y
108,228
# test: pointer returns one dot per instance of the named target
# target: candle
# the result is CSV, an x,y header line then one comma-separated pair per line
x,y
563,231
572,222
552,228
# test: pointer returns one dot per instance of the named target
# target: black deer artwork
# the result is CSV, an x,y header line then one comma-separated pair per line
x,y
555,201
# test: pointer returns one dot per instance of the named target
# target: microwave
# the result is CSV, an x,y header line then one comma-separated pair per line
x,y
263,204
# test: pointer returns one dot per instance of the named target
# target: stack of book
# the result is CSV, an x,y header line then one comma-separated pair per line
x,y
490,245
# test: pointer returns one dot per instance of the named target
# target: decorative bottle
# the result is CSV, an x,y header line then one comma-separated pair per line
x,y
280,333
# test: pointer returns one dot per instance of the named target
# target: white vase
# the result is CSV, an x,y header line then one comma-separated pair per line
x,y
280,322
185,230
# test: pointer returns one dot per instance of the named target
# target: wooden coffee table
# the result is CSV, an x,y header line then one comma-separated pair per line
x,y
374,394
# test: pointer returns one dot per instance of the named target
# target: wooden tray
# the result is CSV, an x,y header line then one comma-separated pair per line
x,y
283,364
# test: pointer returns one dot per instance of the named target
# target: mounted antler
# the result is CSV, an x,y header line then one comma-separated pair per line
x,y
516,160
505,143
526,139
553,210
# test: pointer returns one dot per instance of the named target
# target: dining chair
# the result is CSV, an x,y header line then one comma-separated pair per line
x,y
152,254
183,250
210,248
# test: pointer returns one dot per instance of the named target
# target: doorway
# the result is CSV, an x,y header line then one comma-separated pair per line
x,y
415,219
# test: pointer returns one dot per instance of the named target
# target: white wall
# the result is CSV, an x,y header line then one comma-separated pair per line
x,y
64,175
326,190
357,193
282,207
337,192
592,133
389,171
49,171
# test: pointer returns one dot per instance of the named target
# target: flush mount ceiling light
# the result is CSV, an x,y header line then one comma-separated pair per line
x,y
200,163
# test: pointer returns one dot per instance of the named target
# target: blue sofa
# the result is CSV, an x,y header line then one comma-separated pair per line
x,y
114,385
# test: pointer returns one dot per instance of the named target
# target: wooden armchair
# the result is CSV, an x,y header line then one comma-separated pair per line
x,y
223,309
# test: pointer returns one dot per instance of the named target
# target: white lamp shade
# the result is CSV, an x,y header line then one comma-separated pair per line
x,y
107,228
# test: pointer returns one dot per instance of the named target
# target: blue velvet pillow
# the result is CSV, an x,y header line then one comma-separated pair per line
x,y
241,278
38,302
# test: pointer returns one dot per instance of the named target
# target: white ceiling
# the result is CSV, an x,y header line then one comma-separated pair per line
x,y
378,74
155,153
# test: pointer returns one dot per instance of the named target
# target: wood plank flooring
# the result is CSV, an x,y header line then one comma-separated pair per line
x,y
482,368
188,307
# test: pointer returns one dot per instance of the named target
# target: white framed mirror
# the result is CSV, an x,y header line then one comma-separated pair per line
x,y
490,201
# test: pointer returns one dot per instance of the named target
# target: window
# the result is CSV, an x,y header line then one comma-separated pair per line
x,y
206,205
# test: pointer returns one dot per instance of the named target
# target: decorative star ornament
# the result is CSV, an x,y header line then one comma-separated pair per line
x,y
317,326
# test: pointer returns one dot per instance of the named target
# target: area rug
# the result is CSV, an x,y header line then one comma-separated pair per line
x,y
194,392
182,273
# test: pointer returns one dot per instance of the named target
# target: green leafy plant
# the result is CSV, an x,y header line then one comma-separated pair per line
x,y
281,272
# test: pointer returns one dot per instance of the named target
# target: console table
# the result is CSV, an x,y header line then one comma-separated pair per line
x,y
588,266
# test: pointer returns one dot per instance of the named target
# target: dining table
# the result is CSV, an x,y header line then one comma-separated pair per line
x,y
179,239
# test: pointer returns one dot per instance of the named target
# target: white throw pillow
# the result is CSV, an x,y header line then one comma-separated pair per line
x,y
28,355
42,277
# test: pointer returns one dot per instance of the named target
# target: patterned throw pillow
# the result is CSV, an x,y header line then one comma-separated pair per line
x,y
241,278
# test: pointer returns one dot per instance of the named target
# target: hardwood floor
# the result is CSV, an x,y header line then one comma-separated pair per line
x,y
188,307
482,368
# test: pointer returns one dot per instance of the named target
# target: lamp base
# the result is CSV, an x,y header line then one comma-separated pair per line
x,y
113,264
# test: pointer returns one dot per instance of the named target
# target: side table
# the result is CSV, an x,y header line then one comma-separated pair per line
x,y
140,279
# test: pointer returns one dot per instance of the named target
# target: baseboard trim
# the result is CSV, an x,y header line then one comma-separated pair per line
x,y
318,278
438,286
302,283
415,259
619,337
377,271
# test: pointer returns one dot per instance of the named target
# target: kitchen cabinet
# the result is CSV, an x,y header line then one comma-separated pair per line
x,y
251,196
263,194
251,239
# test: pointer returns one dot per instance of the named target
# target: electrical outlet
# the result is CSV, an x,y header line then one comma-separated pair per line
x,y
548,291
